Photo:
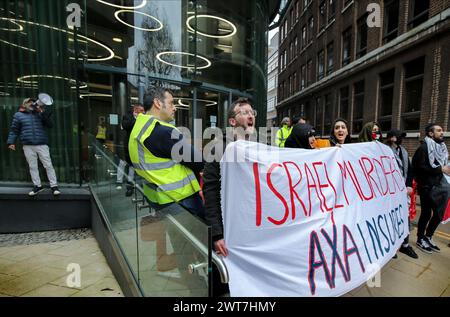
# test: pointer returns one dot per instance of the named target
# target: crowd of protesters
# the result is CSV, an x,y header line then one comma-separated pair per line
x,y
150,142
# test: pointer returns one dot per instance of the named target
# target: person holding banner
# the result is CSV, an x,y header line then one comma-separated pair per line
x,y
371,131
303,136
430,164
241,117
394,141
339,132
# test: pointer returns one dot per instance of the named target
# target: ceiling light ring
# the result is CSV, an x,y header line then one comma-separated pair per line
x,y
110,51
118,12
33,82
143,4
208,103
208,62
20,29
190,28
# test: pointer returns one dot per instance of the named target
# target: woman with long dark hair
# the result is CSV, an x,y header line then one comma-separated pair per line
x,y
339,132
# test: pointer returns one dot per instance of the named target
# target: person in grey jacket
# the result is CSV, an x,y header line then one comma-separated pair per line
x,y
29,126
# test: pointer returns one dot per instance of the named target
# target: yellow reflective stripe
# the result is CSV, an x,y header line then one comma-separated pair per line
x,y
173,186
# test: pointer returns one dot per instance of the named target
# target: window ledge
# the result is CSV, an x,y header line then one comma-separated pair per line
x,y
330,23
347,6
321,33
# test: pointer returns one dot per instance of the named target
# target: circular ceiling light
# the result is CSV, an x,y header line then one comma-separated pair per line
x,y
99,59
143,4
208,103
207,61
217,36
20,29
117,13
25,80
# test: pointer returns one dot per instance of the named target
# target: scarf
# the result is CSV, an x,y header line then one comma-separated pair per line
x,y
436,152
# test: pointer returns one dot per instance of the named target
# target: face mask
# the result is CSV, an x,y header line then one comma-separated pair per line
x,y
376,136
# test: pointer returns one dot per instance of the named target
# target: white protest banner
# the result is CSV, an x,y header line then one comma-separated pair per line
x,y
310,222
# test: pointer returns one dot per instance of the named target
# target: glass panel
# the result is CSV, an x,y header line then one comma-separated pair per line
x,y
37,55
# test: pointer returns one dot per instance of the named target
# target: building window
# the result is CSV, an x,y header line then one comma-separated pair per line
x,y
344,103
387,79
346,46
295,46
294,83
285,59
297,10
328,115
304,36
303,79
414,72
311,29
322,14
305,4
319,116
418,12
320,65
309,71
358,106
271,83
285,27
391,15
290,85
361,42
331,9
292,18
330,58
292,54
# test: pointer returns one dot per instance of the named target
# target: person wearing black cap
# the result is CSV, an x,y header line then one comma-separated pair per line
x,y
430,163
394,141
303,136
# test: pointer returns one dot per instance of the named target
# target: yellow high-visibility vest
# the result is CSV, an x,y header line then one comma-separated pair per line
x,y
101,133
282,135
166,180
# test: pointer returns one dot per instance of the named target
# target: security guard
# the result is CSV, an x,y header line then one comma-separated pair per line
x,y
167,179
284,132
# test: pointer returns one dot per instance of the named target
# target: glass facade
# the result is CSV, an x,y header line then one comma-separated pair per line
x,y
208,52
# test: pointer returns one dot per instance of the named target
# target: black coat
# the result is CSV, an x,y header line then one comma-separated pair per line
x,y
425,175
128,122
211,192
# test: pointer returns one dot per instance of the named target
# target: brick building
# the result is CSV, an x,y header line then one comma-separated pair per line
x,y
334,62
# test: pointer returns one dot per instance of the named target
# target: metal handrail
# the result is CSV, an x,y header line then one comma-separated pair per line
x,y
223,271
218,261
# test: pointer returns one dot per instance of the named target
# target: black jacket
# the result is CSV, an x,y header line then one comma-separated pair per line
x,y
425,175
211,192
128,122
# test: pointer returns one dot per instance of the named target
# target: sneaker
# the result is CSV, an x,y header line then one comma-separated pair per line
x,y
409,251
55,191
423,245
35,191
118,186
395,256
129,192
432,245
